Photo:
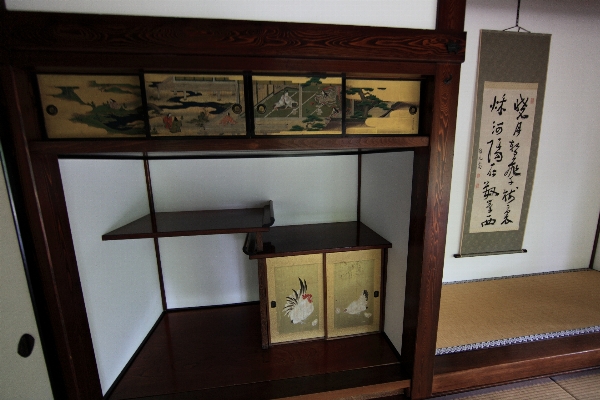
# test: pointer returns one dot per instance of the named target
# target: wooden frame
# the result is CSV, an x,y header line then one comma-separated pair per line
x,y
61,43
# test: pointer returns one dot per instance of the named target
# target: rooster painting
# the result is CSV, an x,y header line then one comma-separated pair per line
x,y
359,305
299,305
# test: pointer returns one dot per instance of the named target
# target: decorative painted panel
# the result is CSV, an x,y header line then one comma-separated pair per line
x,y
296,303
91,106
353,292
205,105
297,105
382,106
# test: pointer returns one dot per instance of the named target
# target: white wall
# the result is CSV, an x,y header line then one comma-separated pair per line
x,y
385,206
566,196
209,270
392,13
119,278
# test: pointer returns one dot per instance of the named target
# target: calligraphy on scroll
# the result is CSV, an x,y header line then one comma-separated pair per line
x,y
507,121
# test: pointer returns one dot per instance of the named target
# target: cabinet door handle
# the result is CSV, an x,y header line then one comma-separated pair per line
x,y
25,347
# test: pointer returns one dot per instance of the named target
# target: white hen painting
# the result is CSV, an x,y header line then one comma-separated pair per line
x,y
353,281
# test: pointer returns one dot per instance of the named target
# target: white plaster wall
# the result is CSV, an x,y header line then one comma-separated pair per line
x,y
385,207
119,278
209,270
566,196
392,13
20,378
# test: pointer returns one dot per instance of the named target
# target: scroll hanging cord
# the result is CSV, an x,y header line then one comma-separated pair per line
x,y
519,28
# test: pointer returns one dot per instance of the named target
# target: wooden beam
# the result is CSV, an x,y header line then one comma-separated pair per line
x,y
432,174
54,259
128,35
451,15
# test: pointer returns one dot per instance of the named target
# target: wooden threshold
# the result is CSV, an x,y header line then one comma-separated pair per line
x,y
487,367
215,353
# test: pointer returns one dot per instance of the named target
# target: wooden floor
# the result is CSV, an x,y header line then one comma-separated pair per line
x,y
216,353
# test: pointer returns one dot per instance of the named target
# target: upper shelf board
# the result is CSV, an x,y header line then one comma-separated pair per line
x,y
191,223
282,241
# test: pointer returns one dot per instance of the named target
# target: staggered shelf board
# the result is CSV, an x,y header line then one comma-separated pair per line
x,y
214,353
292,240
190,223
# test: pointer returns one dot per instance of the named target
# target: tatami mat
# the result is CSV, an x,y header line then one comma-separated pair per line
x,y
576,386
489,311
581,385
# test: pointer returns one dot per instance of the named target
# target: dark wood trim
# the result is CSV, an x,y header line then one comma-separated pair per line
x,y
432,174
595,248
161,280
356,384
55,262
76,63
384,264
114,34
64,275
451,16
19,203
359,186
324,271
263,294
192,223
488,367
65,147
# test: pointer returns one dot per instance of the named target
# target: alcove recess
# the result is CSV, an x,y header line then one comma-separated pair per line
x,y
39,43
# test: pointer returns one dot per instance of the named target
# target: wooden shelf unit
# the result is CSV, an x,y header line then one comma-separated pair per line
x,y
92,44
190,223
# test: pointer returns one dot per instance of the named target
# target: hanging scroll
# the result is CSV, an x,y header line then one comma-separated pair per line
x,y
510,93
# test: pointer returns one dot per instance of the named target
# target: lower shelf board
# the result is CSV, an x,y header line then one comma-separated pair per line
x,y
215,353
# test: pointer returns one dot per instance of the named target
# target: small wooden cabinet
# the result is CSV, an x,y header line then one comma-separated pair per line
x,y
320,281
324,295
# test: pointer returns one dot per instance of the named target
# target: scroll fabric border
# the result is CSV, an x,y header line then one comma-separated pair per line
x,y
511,86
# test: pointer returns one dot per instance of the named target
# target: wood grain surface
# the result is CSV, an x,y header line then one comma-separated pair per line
x,y
206,349
487,367
153,35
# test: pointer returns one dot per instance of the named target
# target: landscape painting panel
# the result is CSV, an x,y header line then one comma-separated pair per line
x,y
382,106
300,105
192,105
91,106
